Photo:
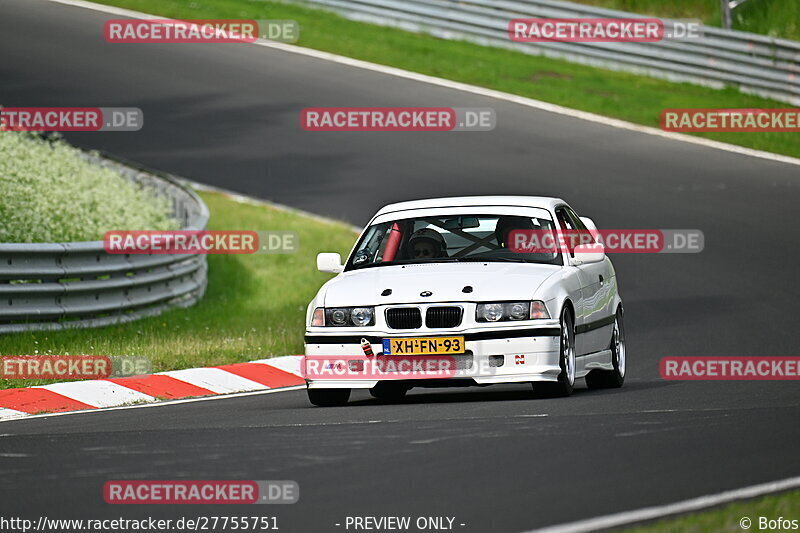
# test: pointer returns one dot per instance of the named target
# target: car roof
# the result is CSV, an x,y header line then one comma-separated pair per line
x,y
544,202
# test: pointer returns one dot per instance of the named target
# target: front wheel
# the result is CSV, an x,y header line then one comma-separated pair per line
x,y
328,397
566,378
612,379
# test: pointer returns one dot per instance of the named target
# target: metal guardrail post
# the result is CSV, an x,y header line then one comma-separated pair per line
x,y
725,11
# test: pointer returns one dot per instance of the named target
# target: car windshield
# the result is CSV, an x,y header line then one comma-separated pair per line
x,y
444,239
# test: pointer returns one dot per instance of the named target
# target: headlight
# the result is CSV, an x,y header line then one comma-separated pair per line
x,y
518,311
490,312
338,317
510,311
350,316
361,316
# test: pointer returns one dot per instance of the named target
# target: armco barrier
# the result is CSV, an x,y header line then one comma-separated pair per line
x,y
60,285
755,63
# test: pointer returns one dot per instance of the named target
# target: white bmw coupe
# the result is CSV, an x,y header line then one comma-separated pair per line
x,y
441,280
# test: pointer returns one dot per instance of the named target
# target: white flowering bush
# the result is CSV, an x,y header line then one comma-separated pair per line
x,y
50,193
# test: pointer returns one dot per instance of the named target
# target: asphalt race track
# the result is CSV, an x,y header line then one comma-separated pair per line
x,y
493,458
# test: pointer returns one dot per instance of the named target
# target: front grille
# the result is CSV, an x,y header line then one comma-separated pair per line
x,y
443,317
404,318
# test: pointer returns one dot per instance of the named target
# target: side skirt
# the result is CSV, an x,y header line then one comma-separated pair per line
x,y
593,361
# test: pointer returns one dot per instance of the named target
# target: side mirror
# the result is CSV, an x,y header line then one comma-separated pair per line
x,y
329,262
589,253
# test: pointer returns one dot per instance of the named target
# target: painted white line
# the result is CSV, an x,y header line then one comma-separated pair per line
x,y
98,393
685,506
489,93
215,379
289,363
9,414
159,404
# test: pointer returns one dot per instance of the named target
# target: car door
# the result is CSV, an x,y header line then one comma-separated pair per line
x,y
591,327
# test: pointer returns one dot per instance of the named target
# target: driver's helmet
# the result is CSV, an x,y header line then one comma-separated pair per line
x,y
426,243
507,224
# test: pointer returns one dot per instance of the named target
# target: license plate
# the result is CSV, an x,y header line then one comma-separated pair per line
x,y
423,346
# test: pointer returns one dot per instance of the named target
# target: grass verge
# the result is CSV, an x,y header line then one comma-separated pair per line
x,y
776,18
629,97
254,307
727,519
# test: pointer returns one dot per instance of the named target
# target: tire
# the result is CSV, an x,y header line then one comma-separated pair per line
x,y
566,379
612,379
389,391
328,397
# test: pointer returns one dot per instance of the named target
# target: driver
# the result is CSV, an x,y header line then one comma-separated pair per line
x,y
507,224
427,243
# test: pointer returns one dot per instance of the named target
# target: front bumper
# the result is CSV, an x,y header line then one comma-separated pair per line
x,y
496,355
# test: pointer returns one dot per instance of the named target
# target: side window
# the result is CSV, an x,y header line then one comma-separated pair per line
x,y
585,236
564,219
566,224
576,219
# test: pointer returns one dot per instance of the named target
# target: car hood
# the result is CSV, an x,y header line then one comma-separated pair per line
x,y
446,281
